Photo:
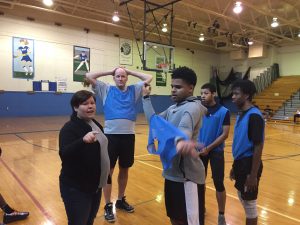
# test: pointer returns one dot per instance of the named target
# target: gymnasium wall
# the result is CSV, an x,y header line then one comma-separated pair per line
x,y
287,58
256,64
53,55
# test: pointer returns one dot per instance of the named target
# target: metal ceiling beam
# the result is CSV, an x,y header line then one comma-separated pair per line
x,y
64,14
287,22
161,6
178,18
238,22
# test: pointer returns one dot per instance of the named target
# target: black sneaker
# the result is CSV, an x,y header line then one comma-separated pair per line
x,y
108,213
14,216
122,204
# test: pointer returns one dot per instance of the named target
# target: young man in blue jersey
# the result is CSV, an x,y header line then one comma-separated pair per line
x,y
248,142
119,105
213,133
184,180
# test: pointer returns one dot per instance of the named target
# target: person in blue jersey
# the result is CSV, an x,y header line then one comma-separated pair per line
x,y
83,60
247,147
119,105
213,133
23,52
185,178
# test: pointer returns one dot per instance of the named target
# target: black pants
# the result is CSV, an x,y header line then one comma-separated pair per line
x,y
81,208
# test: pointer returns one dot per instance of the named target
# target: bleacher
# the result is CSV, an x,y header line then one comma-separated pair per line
x,y
278,93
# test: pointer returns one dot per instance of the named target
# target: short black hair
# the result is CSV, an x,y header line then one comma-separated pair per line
x,y
79,97
210,87
186,74
246,86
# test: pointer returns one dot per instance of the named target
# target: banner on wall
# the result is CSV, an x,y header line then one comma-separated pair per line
x,y
81,63
126,53
23,58
61,84
161,79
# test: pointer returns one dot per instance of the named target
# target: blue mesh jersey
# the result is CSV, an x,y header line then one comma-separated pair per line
x,y
242,146
212,128
165,134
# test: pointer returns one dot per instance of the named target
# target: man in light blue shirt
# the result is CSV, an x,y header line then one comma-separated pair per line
x,y
119,104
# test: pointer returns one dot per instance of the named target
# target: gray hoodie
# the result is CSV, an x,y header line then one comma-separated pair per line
x,y
187,116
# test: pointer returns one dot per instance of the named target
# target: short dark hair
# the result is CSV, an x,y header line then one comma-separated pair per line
x,y
79,97
186,74
246,86
210,87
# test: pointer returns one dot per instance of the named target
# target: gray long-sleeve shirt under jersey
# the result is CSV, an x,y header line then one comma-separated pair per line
x,y
187,116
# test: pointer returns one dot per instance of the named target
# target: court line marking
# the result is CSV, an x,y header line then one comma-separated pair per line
x,y
138,156
31,196
47,215
234,197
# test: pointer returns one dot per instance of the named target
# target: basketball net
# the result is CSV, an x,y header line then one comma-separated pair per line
x,y
164,67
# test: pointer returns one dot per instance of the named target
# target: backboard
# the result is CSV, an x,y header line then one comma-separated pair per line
x,y
157,56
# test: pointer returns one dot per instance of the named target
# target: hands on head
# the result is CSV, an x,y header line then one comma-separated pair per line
x,y
120,67
146,89
90,137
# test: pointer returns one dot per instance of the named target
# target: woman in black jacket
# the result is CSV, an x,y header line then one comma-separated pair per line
x,y
85,161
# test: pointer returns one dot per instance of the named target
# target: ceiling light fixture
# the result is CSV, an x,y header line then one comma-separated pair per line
x,y
164,28
48,2
299,34
238,8
274,22
250,41
201,38
116,17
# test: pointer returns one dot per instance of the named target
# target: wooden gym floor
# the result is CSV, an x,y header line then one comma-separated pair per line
x,y
30,166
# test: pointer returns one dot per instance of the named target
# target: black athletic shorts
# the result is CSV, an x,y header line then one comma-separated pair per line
x,y
178,201
217,162
121,146
242,169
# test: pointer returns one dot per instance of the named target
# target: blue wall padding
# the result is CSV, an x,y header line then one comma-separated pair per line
x,y
13,104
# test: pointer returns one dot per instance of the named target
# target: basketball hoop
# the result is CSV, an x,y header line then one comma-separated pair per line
x,y
164,67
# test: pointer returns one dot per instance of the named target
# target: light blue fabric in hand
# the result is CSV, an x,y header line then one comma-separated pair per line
x,y
164,133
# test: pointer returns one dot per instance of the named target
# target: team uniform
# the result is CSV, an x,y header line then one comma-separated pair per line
x,y
184,180
248,130
120,116
217,116
83,57
24,50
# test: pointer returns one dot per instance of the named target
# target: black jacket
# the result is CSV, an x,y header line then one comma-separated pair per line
x,y
80,161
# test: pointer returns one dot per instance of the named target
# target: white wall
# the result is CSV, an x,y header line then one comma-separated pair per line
x,y
54,55
256,64
289,60
53,52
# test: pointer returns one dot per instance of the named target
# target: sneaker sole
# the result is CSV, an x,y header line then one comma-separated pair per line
x,y
110,221
131,211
